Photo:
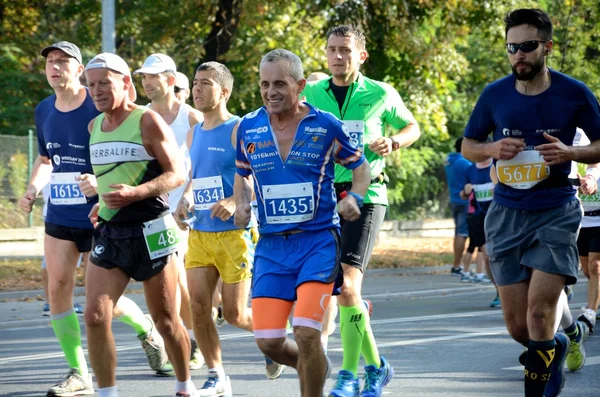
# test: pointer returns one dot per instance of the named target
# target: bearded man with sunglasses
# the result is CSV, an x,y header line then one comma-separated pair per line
x,y
532,225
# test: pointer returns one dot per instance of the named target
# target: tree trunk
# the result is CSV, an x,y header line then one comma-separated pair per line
x,y
223,29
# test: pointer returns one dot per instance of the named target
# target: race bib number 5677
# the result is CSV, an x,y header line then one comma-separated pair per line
x,y
524,171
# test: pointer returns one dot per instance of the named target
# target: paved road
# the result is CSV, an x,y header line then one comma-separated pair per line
x,y
439,334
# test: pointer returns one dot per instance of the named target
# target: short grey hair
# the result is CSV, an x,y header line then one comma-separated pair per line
x,y
294,68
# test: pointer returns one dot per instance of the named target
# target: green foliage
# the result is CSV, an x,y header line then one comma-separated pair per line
x,y
439,54
18,175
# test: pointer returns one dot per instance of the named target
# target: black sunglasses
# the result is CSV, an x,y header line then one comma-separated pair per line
x,y
526,46
178,89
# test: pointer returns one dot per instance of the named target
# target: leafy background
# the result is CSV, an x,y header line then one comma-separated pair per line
x,y
438,54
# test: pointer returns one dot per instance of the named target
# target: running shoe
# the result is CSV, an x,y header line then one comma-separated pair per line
x,y
46,309
588,317
576,355
78,309
482,280
466,278
346,385
376,378
456,271
196,358
273,369
215,387
72,384
557,374
369,306
496,302
154,347
569,292
166,370
220,319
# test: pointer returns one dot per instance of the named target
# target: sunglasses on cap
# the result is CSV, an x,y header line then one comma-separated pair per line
x,y
526,46
179,89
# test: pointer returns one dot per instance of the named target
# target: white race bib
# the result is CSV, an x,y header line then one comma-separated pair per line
x,y
484,192
207,191
590,202
289,203
356,130
524,171
162,236
64,189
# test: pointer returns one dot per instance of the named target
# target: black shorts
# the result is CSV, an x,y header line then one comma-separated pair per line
x,y
81,237
124,247
358,237
476,232
588,240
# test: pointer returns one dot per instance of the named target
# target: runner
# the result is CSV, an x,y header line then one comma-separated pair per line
x,y
217,248
135,160
532,224
182,87
479,189
287,150
158,79
366,107
63,158
455,168
588,241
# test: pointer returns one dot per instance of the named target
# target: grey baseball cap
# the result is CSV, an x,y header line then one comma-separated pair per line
x,y
68,48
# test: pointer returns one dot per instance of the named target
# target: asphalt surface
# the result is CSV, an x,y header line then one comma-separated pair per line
x,y
440,336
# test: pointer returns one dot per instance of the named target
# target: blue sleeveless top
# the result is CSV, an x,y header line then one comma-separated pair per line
x,y
213,172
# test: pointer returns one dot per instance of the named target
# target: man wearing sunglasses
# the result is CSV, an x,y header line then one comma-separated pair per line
x,y
531,226
182,87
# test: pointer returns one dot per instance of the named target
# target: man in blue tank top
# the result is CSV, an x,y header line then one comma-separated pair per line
x,y
286,151
217,248
532,224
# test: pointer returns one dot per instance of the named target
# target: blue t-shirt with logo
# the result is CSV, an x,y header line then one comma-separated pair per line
x,y
526,182
483,187
297,194
63,137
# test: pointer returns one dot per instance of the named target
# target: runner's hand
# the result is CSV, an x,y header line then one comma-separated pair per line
x,y
182,213
93,215
122,196
26,202
87,184
348,208
381,146
588,184
468,189
507,148
554,152
242,215
223,209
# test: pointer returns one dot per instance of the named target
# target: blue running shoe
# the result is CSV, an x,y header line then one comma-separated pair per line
x,y
557,374
46,310
346,386
496,302
377,378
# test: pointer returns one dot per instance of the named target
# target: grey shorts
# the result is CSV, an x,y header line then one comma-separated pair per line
x,y
519,241
459,214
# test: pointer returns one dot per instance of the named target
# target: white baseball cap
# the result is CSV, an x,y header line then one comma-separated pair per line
x,y
157,63
181,81
108,60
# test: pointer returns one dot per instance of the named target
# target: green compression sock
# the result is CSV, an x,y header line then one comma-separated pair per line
x,y
369,347
133,316
68,332
352,331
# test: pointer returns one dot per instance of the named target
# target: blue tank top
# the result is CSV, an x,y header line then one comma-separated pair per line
x,y
63,137
213,171
298,193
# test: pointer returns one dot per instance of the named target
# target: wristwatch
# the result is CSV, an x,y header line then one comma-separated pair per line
x,y
395,145
357,197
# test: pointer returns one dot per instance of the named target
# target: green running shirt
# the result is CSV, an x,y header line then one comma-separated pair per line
x,y
369,107
119,156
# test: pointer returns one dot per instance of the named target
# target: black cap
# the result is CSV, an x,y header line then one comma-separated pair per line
x,y
68,48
